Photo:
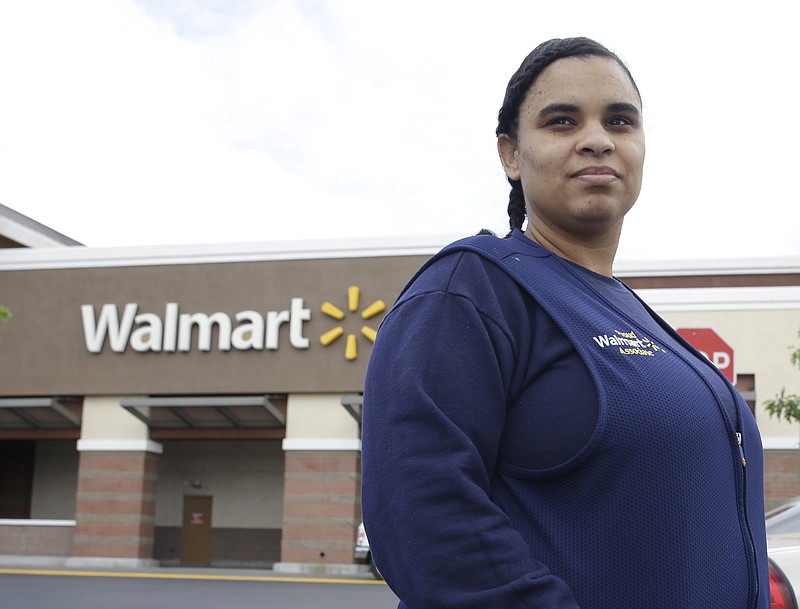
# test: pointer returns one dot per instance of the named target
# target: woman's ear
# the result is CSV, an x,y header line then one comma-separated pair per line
x,y
507,148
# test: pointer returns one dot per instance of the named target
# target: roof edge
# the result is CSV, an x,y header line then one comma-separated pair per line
x,y
30,233
163,255
372,247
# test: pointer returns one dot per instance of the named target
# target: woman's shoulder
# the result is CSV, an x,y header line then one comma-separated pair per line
x,y
469,265
464,275
457,271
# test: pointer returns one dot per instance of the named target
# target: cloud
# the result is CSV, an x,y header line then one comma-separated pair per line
x,y
193,121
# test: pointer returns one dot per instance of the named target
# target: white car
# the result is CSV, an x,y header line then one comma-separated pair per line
x,y
783,547
784,569
362,553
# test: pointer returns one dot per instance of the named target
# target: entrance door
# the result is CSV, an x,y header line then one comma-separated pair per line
x,y
196,531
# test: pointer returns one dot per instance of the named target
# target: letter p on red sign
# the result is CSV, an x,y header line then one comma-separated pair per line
x,y
713,347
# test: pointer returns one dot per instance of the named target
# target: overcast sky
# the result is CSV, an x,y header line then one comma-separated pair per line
x,y
141,122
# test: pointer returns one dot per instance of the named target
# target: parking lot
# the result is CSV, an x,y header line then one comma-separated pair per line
x,y
166,589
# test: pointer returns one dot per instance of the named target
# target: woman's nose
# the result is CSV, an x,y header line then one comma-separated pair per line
x,y
595,139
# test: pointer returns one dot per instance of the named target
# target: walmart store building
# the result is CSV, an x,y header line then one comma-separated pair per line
x,y
200,405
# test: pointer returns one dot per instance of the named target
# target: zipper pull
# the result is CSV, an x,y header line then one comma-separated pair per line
x,y
741,450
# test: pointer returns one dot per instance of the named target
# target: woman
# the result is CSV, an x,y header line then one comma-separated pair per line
x,y
534,435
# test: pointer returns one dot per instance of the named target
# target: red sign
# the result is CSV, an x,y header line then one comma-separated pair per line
x,y
197,518
708,342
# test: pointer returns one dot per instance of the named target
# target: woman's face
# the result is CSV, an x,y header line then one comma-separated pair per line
x,y
579,151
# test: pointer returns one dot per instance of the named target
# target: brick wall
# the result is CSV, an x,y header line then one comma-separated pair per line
x,y
115,505
321,506
781,476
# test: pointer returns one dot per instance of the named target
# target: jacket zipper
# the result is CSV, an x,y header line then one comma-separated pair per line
x,y
749,535
741,450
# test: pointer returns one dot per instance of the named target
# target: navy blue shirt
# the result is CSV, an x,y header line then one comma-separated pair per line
x,y
557,449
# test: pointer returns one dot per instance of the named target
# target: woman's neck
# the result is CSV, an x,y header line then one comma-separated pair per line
x,y
594,254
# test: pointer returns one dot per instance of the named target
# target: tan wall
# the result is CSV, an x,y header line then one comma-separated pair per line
x,y
104,419
245,479
319,417
44,350
30,539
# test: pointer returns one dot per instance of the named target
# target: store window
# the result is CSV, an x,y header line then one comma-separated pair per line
x,y
16,478
746,385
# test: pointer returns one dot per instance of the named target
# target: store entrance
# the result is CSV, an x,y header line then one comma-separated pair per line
x,y
196,530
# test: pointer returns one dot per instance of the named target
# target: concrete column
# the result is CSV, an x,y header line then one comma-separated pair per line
x,y
117,475
322,485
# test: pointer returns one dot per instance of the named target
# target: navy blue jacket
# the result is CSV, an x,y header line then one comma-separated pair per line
x,y
535,436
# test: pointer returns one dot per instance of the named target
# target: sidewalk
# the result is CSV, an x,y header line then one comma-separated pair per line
x,y
112,568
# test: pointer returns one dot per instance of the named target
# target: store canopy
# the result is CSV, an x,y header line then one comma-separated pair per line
x,y
39,413
195,412
353,404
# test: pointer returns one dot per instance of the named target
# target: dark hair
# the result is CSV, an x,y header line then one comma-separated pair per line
x,y
518,87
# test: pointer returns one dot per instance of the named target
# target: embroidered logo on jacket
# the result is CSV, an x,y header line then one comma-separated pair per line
x,y
628,343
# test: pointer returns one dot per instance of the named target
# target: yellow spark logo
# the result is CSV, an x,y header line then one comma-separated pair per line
x,y
331,310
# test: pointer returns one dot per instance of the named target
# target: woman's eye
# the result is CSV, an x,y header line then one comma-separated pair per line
x,y
620,121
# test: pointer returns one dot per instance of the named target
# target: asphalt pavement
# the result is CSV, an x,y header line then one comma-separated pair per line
x,y
186,588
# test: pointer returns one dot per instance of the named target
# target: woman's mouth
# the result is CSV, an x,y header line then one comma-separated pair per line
x,y
596,176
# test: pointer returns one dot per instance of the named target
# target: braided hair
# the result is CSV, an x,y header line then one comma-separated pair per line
x,y
517,90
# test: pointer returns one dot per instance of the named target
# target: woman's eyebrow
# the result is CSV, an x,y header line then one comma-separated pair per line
x,y
623,107
558,107
567,108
